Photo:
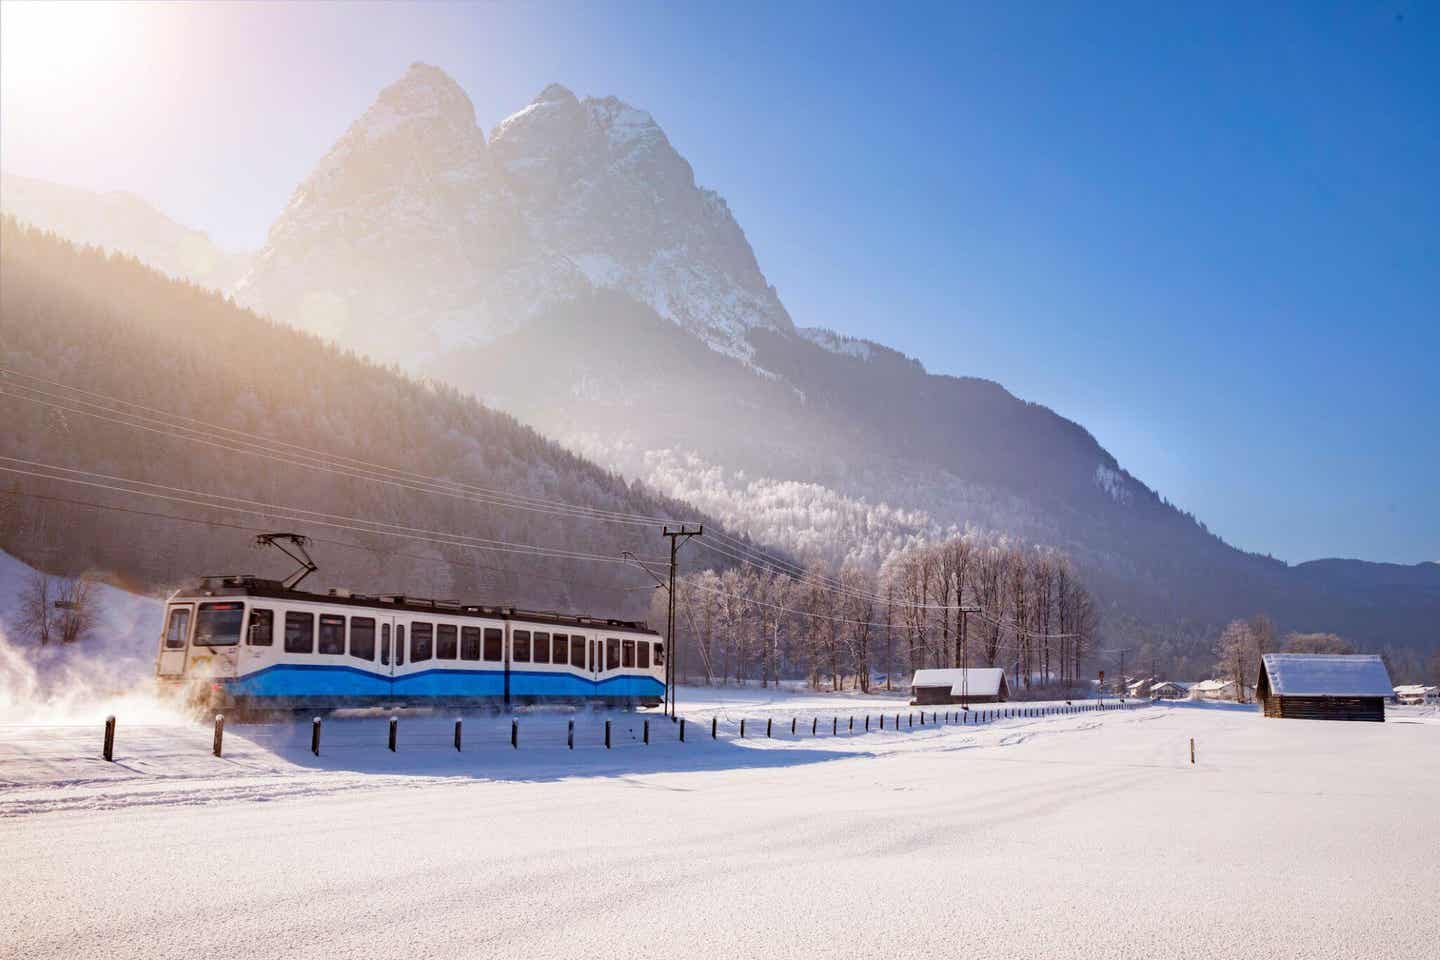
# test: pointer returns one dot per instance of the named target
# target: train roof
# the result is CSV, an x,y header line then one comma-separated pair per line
x,y
245,585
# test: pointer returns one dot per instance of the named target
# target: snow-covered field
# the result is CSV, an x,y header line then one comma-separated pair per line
x,y
1088,835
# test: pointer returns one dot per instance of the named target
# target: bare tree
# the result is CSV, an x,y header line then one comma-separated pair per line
x,y
37,615
1317,643
77,609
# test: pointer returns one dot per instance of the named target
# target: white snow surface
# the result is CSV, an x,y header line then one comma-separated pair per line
x,y
1327,675
1018,838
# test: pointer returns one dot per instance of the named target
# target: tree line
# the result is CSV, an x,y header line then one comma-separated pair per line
x,y
972,600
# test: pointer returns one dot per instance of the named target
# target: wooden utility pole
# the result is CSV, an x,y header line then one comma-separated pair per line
x,y
672,673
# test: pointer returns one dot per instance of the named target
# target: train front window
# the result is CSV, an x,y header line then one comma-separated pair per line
x,y
218,624
659,654
642,654
177,629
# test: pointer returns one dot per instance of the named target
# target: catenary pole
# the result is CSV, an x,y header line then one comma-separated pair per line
x,y
672,672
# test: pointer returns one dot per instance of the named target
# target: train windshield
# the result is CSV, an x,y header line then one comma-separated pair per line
x,y
218,624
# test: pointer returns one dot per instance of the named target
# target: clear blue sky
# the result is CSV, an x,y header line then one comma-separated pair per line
x,y
1211,236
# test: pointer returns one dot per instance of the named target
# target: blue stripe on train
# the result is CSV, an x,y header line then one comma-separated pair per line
x,y
325,680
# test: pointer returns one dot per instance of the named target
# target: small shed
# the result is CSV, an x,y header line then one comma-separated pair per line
x,y
967,685
1170,690
1416,694
1318,686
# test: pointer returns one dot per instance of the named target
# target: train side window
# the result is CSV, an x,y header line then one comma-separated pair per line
x,y
577,652
332,634
445,644
262,628
177,631
362,638
659,654
422,641
494,644
385,644
520,646
627,653
642,654
299,632
399,644
562,649
469,643
612,654
541,649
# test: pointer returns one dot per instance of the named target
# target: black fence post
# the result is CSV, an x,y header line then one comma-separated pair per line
x,y
814,725
714,728
457,734
834,726
910,719
882,721
742,728
682,729
570,735
792,726
515,734
852,723
922,718
219,733
607,734
867,723
394,725
107,749
647,733
315,736
768,722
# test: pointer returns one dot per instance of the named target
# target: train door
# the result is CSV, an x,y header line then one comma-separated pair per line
x,y
175,641
386,653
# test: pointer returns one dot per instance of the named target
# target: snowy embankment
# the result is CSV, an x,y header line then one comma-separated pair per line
x,y
109,670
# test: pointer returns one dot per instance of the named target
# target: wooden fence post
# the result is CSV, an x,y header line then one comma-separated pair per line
x,y
792,726
814,725
394,725
219,733
834,726
852,723
607,734
315,736
714,728
647,733
107,749
1192,750
457,733
515,734
770,720
570,735
742,728
682,729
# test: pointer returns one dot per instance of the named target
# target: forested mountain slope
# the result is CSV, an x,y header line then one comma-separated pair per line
x,y
113,327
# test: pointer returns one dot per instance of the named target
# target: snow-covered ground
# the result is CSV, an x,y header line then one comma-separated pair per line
x,y
1087,834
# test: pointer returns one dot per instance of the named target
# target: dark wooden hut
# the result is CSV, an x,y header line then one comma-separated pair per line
x,y
1307,686
972,685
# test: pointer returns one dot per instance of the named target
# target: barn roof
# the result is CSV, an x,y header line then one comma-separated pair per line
x,y
983,681
1209,686
1327,675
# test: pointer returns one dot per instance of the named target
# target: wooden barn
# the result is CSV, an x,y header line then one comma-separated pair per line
x,y
1314,686
970,685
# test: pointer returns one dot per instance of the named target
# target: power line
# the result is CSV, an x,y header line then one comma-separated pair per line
x,y
343,544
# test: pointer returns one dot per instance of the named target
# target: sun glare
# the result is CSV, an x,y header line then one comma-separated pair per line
x,y
54,47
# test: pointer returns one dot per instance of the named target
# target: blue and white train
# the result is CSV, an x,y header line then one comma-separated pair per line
x,y
248,644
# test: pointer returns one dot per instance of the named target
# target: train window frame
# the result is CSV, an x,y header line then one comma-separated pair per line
x,y
540,647
357,649
612,653
497,636
627,654
178,639
260,617
659,653
578,649
518,637
385,644
470,643
399,644
293,642
447,641
329,646
422,641
642,654
560,649
205,614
